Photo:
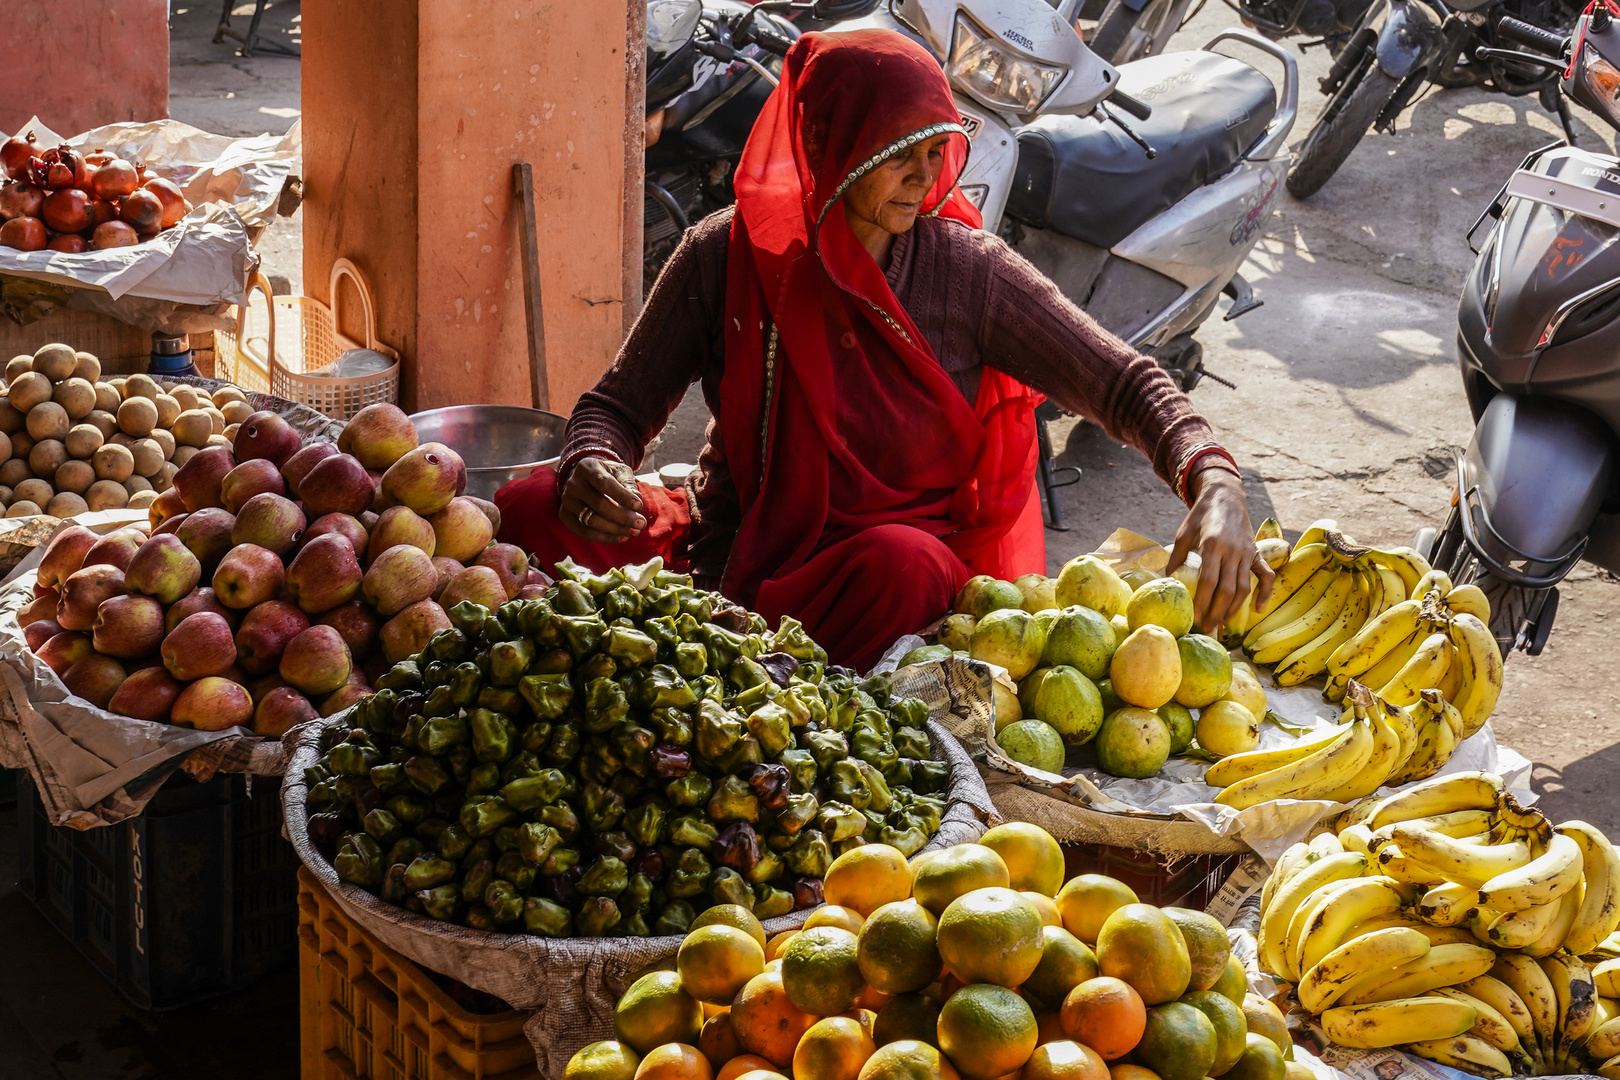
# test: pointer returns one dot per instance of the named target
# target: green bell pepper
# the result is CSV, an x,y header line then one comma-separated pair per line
x,y
692,832
770,901
428,871
691,876
602,808
801,767
427,774
733,800
693,789
675,919
648,823
727,886
800,811
810,855
772,725
440,903
509,661
583,633
483,814
717,730
607,876
405,675
605,705
547,918
597,916
359,861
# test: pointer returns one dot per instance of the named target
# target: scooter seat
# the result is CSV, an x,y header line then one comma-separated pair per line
x,y
1088,180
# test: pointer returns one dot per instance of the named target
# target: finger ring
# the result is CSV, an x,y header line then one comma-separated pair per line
x,y
585,516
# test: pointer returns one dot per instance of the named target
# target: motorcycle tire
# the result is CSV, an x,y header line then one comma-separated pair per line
x,y
1512,605
1114,28
1338,130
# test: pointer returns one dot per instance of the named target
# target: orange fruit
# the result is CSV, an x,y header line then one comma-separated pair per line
x,y
866,878
833,915
1131,1072
674,1061
712,1010
773,947
908,1060
872,999
991,936
1033,857
744,1064
1065,964
1049,1028
767,1022
1207,946
955,872
1065,1061
1086,901
761,1074
657,1010
908,1017
986,1031
821,970
719,1039
864,1017
1139,943
607,1060
715,962
898,953
1107,1015
1045,905
733,915
833,1049
1179,1043
774,965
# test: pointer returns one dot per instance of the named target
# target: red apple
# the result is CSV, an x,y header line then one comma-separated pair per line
x,y
490,510
201,645
200,478
265,434
95,678
479,584
359,626
114,549
208,534
128,627
64,555
317,661
40,631
337,485
165,506
324,574
251,477
400,525
343,525
426,479
64,650
259,687
170,524
509,563
461,531
273,522
447,569
84,592
248,575
297,467
407,633
398,578
532,592
279,710
148,694
264,634
212,704
343,697
378,435
41,607
164,568
201,598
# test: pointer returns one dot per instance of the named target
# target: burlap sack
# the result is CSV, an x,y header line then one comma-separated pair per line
x,y
571,983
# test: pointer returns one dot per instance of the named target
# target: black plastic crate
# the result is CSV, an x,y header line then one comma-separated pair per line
x,y
196,897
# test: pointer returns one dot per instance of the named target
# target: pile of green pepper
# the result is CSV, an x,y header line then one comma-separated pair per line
x,y
613,758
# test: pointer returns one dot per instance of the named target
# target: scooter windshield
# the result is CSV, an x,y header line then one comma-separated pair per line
x,y
1543,266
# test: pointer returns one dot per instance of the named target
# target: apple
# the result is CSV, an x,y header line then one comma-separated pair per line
x,y
202,598
461,530
407,633
170,524
343,697
95,678
324,574
128,627
378,435
257,688
64,650
479,584
252,477
426,479
264,634
164,568
148,694
40,631
64,555
490,510
359,626
200,478
317,661
201,645
40,607
265,434
212,704
248,575
538,577
279,710
447,568
208,534
336,485
532,592
400,525
165,506
114,549
343,525
297,467
398,578
270,521
40,590
510,563
84,592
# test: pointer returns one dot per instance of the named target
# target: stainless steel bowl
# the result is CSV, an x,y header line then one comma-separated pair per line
x,y
498,442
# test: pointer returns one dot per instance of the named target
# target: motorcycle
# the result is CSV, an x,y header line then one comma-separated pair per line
x,y
1538,342
1396,47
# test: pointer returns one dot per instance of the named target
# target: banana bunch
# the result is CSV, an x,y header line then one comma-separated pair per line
x,y
1327,592
1452,922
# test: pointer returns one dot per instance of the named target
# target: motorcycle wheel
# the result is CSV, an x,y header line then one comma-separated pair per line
x,y
1512,606
1343,122
1123,35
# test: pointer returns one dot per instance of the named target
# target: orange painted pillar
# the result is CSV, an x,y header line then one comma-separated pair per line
x,y
78,64
414,113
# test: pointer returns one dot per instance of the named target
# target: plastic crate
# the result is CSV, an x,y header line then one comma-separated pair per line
x,y
366,1011
194,898
1188,881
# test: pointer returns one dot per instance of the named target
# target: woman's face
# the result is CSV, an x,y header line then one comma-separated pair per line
x,y
891,195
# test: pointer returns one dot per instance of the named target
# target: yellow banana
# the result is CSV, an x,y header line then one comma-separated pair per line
x,y
1355,837
1361,813
1538,882
1607,949
1408,564
1375,595
1448,904
1442,965
1275,917
1436,741
1310,659
1392,1023
1296,574
1606,977
1469,600
1354,960
1400,720
1380,762
1457,824
1229,770
1463,863
1269,529
1467,1052
1395,591
1423,670
1317,533
1324,844
1320,771
1480,683
1603,1042
1451,680
1390,860
1271,647
1440,795
1575,994
1390,664
1599,913
1568,905
1517,929
1293,970
1327,925
1377,636
1526,979
1489,1024
1501,997
1434,581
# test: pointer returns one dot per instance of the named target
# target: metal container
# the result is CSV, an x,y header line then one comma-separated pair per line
x,y
498,442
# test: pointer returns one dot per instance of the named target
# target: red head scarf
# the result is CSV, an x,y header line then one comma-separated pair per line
x,y
835,415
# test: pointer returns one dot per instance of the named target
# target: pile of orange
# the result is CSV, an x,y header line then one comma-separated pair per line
x,y
977,962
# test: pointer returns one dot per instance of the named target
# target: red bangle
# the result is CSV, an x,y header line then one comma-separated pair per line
x,y
1184,474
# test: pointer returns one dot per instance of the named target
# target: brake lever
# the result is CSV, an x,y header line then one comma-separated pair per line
x,y
1130,133
1485,52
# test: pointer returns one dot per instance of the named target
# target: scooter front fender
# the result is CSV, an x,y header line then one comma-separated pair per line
x,y
1409,36
1532,483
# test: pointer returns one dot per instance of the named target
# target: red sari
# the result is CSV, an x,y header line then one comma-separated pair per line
x,y
871,489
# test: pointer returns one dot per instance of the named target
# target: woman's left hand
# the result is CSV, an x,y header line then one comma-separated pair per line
x,y
1218,528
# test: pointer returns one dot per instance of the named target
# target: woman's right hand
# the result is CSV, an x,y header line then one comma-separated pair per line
x,y
601,502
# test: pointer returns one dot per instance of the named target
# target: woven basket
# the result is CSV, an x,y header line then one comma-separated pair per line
x,y
309,336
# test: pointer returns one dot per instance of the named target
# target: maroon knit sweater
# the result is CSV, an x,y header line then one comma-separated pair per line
x,y
976,302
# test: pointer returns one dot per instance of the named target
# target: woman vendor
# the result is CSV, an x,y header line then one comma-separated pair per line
x,y
872,359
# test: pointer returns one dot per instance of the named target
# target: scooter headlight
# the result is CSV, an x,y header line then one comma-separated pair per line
x,y
980,67
1602,83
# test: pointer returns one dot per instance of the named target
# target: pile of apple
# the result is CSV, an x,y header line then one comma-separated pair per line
x,y
271,578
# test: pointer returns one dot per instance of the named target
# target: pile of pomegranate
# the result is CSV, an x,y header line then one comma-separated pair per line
x,y
67,201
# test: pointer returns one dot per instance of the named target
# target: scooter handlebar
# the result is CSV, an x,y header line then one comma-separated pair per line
x,y
1532,36
1139,109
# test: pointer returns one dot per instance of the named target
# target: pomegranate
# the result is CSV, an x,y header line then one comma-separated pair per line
x,y
174,203
101,156
70,243
101,210
15,155
115,179
113,234
67,210
20,200
143,210
23,233
64,167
